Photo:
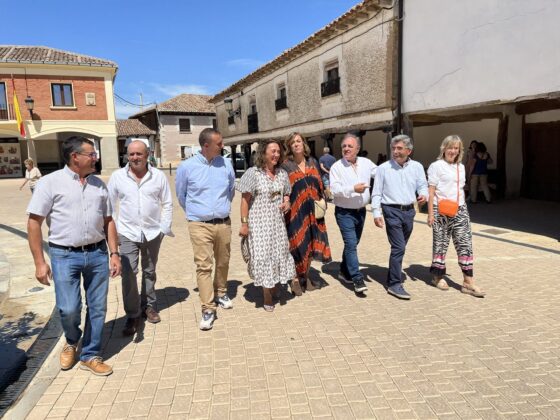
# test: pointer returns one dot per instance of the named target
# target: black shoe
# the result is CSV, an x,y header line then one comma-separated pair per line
x,y
359,286
130,327
344,278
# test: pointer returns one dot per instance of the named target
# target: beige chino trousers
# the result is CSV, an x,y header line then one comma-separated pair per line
x,y
211,247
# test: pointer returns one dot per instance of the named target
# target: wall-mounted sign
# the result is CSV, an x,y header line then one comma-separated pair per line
x,y
10,158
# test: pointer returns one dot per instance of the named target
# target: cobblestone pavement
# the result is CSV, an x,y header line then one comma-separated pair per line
x,y
334,354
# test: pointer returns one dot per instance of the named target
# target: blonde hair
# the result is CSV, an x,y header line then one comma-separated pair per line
x,y
29,162
288,146
447,143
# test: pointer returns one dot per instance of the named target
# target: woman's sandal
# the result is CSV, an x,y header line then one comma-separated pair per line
x,y
440,283
269,308
296,287
473,290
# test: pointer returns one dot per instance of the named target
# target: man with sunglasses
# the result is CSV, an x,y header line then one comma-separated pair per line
x,y
83,244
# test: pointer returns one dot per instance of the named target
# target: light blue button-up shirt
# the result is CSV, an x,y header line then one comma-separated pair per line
x,y
396,184
205,189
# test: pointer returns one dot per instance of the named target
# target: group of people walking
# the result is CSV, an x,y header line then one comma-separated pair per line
x,y
283,205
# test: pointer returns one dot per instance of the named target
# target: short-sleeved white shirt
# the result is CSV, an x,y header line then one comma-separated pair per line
x,y
443,176
74,212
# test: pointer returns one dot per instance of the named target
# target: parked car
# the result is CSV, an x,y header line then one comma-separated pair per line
x,y
239,160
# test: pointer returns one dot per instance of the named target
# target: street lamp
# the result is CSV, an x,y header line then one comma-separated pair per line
x,y
30,102
228,102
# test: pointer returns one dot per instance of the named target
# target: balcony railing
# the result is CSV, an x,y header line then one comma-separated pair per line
x,y
253,123
281,103
6,112
330,87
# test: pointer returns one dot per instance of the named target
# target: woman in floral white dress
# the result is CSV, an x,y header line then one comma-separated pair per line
x,y
265,198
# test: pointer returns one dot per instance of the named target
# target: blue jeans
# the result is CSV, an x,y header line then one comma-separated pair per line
x,y
67,268
351,224
398,224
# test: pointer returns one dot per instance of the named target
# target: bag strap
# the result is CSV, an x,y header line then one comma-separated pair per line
x,y
457,182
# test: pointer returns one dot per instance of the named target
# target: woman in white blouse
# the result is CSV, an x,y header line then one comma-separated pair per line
x,y
32,175
446,180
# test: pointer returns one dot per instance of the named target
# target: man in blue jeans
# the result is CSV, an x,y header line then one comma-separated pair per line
x,y
82,244
397,183
350,177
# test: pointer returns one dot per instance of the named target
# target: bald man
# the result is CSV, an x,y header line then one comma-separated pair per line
x,y
145,215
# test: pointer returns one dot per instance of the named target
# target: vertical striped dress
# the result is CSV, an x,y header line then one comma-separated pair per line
x,y
307,235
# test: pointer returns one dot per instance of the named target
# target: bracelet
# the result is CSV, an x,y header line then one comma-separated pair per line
x,y
244,219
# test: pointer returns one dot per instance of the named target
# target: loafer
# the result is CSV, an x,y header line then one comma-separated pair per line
x,y
398,291
440,283
130,327
152,315
296,287
68,357
96,366
473,290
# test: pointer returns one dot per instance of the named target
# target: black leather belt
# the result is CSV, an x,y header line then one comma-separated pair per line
x,y
403,207
216,221
83,248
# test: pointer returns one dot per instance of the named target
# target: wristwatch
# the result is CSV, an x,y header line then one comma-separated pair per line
x,y
117,253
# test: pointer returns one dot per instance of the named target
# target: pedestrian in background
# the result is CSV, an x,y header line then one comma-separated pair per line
x,y
32,175
446,181
479,174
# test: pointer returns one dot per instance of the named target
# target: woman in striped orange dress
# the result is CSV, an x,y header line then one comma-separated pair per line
x,y
307,235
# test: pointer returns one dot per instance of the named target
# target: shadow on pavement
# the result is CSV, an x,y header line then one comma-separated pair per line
x,y
369,271
524,215
113,339
419,272
11,357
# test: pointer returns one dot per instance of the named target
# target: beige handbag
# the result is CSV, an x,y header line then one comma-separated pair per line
x,y
320,208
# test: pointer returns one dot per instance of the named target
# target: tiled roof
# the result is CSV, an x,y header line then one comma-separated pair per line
x,y
132,127
184,103
45,55
361,11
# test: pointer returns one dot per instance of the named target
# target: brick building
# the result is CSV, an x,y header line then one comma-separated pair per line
x,y
71,94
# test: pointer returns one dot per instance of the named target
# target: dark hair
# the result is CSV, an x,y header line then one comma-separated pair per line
x,y
260,161
206,135
288,143
480,147
73,145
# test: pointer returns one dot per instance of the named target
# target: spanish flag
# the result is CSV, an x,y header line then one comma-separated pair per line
x,y
19,119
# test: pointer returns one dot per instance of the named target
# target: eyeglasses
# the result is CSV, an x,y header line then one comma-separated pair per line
x,y
92,155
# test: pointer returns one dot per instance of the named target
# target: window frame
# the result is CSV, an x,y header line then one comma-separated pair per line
x,y
54,105
189,130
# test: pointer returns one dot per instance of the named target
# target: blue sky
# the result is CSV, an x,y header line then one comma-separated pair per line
x,y
164,48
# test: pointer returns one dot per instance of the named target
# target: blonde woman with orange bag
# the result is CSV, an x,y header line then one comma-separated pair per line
x,y
446,182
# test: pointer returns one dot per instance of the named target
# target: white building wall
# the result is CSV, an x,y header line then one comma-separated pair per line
x,y
460,52
172,139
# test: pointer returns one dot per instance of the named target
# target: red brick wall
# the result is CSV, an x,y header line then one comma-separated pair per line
x,y
39,88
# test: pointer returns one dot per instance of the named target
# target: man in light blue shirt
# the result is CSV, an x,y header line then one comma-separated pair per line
x,y
205,185
397,183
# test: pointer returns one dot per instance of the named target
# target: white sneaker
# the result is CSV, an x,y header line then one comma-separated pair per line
x,y
207,320
225,302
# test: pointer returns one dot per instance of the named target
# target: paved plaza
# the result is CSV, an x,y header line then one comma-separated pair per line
x,y
331,353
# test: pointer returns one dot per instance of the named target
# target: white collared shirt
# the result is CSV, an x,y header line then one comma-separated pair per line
x,y
343,176
75,212
145,207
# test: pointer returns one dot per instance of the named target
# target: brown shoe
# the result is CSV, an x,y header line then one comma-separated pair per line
x,y
130,327
152,315
96,366
67,357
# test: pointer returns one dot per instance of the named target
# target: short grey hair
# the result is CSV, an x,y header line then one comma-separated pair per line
x,y
407,141
326,150
353,136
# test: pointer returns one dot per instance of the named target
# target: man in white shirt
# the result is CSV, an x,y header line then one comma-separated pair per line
x,y
349,180
83,250
145,215
399,183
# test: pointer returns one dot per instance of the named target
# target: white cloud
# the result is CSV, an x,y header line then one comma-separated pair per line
x,y
174,90
245,63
